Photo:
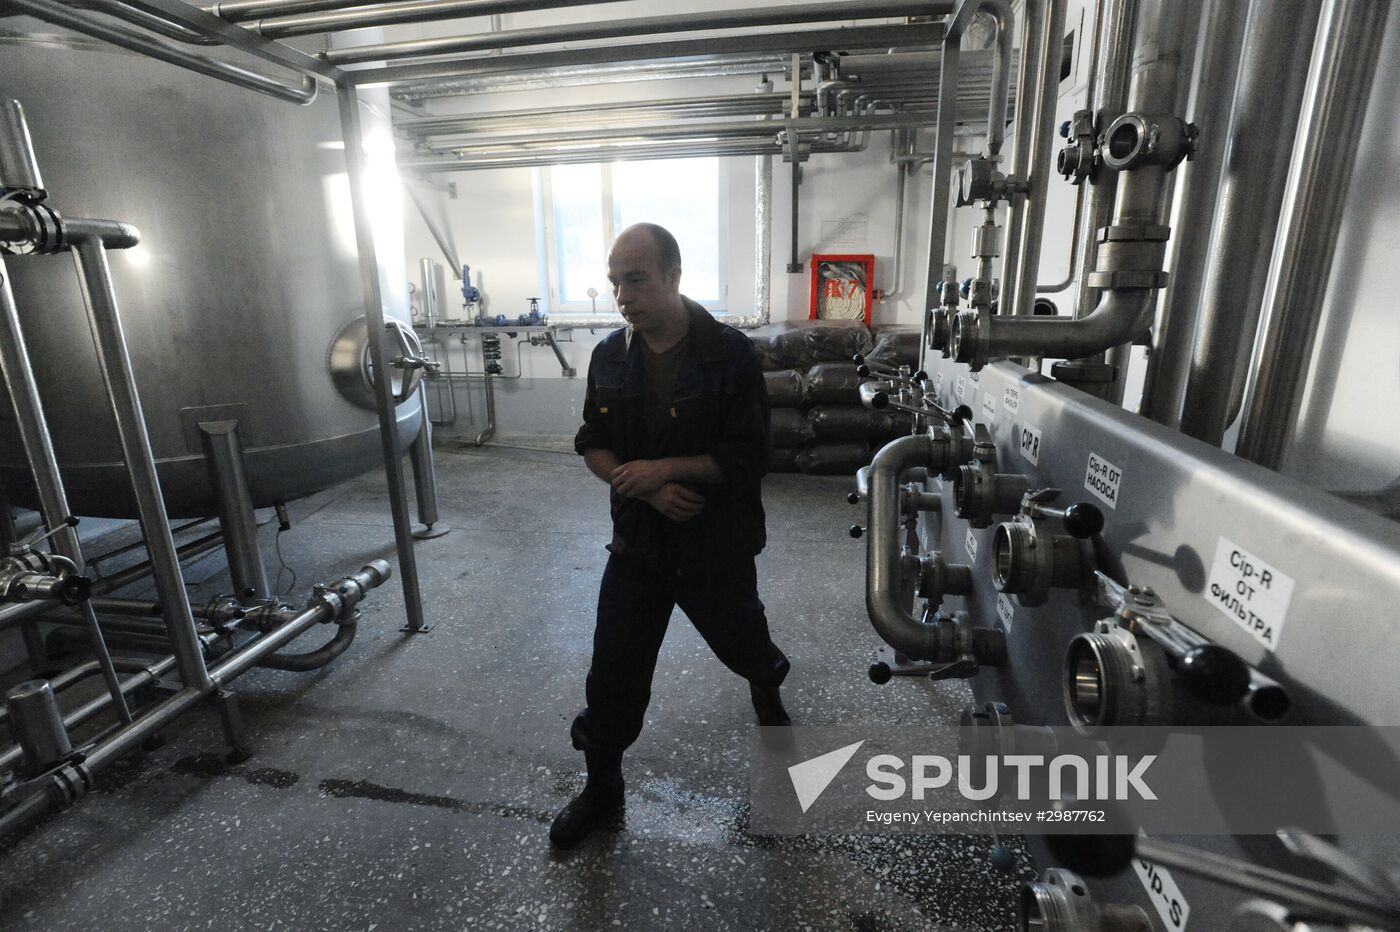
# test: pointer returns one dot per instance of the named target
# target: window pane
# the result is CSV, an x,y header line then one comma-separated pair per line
x,y
578,230
683,196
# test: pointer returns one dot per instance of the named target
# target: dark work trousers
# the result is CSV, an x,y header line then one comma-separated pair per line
x,y
634,607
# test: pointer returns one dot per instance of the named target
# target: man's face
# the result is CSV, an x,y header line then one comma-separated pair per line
x,y
645,295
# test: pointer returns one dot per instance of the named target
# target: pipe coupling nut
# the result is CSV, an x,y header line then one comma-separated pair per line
x,y
967,337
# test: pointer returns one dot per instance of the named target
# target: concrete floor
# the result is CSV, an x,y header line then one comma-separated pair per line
x,y
410,783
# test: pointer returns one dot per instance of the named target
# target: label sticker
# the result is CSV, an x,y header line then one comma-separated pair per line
x,y
1005,610
1103,479
1164,893
989,407
960,386
1011,399
971,545
1251,592
938,385
1030,443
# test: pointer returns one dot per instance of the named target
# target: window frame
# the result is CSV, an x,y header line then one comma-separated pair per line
x,y
547,245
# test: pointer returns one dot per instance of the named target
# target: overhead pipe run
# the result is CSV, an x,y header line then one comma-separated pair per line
x,y
621,28
860,37
284,18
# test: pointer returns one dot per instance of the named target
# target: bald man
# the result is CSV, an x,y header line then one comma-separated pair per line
x,y
676,422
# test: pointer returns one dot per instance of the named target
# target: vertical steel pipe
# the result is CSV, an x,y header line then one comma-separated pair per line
x,y
420,452
1188,251
1109,101
428,291
939,201
1022,278
38,725
1273,73
223,451
34,435
349,101
763,236
1334,106
104,318
1034,18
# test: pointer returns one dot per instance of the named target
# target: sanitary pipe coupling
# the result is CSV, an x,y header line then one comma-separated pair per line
x,y
967,337
961,648
1137,140
341,597
34,575
979,491
1060,902
938,577
1131,255
1028,560
1080,157
30,228
1112,678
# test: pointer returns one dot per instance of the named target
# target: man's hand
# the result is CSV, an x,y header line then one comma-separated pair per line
x,y
675,501
641,478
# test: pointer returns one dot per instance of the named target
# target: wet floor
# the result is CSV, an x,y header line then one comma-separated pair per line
x,y
409,785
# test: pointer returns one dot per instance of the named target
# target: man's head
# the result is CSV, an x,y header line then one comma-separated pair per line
x,y
645,270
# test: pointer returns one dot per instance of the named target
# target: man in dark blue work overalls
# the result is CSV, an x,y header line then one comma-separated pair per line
x,y
676,422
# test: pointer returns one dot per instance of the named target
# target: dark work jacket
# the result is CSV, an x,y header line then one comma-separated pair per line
x,y
720,407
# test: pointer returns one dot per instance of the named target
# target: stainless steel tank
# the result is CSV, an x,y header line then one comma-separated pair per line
x,y
241,296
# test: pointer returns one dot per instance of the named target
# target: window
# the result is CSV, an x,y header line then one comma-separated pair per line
x,y
584,207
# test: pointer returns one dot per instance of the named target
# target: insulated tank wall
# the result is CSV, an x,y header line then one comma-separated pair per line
x,y
246,271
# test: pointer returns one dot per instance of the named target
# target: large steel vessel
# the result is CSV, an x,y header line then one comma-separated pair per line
x,y
241,296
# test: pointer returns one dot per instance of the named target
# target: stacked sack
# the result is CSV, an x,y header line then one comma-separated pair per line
x,y
818,424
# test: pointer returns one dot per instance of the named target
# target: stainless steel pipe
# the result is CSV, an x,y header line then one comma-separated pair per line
x,y
282,18
1273,74
884,560
33,428
420,452
1020,278
104,319
165,50
939,195
621,28
1334,105
859,37
223,450
1163,48
349,101
1194,217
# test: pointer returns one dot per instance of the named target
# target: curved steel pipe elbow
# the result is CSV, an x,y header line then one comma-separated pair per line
x,y
1124,314
892,621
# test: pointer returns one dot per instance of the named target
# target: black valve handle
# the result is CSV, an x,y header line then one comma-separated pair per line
x,y
1214,674
1083,520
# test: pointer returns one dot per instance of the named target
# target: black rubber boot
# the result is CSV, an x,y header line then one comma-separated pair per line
x,y
768,703
596,806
